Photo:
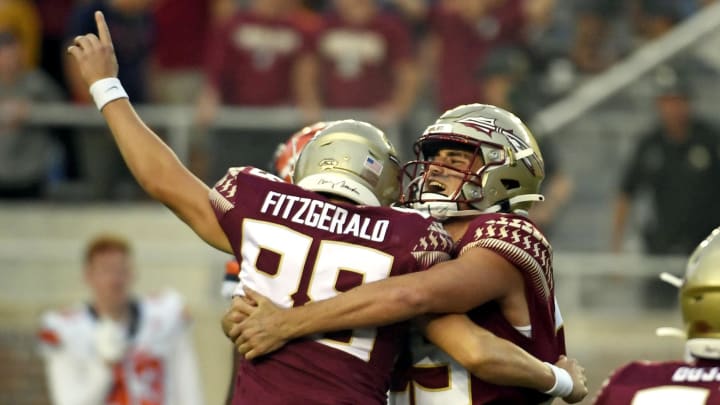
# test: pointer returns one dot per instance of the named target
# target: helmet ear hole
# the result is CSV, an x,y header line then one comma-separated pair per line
x,y
510,184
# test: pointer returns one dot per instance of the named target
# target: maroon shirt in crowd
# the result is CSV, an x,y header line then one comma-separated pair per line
x,y
250,59
181,28
358,61
463,47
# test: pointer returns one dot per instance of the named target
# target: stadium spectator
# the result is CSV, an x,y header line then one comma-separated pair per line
x,y
366,60
693,381
181,25
353,175
100,165
54,15
678,164
508,83
674,165
132,29
119,348
461,34
654,18
27,153
592,48
258,58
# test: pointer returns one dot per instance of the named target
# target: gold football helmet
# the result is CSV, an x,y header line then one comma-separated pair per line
x,y
510,171
353,160
700,299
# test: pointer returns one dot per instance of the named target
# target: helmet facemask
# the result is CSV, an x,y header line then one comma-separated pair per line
x,y
469,196
442,200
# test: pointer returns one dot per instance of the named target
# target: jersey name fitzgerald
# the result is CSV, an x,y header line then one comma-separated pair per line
x,y
324,215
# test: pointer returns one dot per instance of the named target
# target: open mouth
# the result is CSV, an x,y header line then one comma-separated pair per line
x,y
434,186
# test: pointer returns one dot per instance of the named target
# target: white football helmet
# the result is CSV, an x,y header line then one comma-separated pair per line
x,y
353,160
700,299
510,172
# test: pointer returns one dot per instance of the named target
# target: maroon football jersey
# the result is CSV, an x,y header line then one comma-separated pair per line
x,y
250,59
655,383
295,246
437,378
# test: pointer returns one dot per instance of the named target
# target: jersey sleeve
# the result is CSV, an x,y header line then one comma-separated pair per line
x,y
72,379
519,242
48,335
433,247
225,193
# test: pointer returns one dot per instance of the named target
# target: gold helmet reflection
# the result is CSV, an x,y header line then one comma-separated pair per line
x,y
353,160
700,298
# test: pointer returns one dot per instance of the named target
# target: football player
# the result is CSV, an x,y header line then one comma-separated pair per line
x,y
119,348
295,244
697,380
478,169
283,165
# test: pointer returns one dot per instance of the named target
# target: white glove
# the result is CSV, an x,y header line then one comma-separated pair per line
x,y
110,340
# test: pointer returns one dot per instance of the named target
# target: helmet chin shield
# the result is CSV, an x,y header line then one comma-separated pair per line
x,y
438,206
707,348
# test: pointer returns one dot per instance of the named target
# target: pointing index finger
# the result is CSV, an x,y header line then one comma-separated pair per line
x,y
103,31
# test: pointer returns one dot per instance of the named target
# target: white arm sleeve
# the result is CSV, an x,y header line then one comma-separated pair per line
x,y
73,381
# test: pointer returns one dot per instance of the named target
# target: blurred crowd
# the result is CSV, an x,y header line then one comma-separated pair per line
x,y
393,58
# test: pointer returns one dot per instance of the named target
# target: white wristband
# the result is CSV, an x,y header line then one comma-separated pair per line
x,y
563,382
106,90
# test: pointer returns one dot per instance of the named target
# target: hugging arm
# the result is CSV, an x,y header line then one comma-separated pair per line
x,y
483,354
454,286
496,360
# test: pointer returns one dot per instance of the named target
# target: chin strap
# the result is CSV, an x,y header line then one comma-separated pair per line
x,y
443,207
512,201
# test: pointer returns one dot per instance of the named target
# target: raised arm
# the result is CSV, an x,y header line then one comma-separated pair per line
x,y
153,164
